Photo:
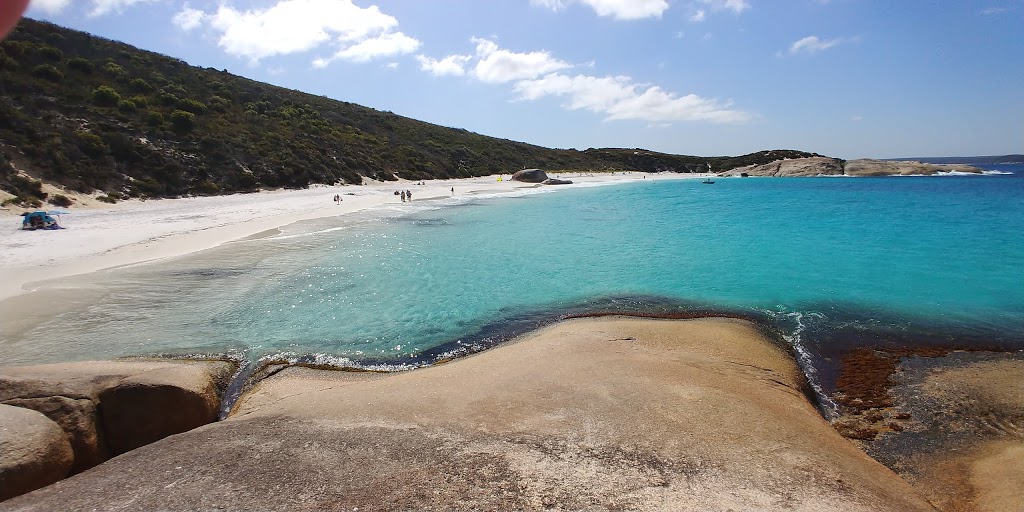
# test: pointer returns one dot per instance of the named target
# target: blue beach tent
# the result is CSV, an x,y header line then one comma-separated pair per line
x,y
42,220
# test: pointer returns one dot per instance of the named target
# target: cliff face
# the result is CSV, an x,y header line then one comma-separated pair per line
x,y
824,166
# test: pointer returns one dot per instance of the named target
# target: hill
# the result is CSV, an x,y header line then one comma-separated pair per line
x,y
92,114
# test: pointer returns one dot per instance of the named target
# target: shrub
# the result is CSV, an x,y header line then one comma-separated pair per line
x,y
140,100
140,85
84,66
50,53
47,72
90,144
155,119
113,69
182,121
126,106
193,106
61,200
219,103
167,98
105,96
109,198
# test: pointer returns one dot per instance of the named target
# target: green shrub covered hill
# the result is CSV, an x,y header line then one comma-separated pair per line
x,y
92,114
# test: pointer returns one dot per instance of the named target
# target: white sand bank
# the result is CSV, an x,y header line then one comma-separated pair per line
x,y
132,232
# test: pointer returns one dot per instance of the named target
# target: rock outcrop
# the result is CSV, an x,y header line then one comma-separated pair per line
x,y
597,414
34,452
530,176
106,408
824,166
557,181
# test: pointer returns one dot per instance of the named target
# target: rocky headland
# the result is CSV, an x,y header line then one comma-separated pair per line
x,y
825,166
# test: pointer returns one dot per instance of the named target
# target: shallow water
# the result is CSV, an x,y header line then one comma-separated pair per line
x,y
829,261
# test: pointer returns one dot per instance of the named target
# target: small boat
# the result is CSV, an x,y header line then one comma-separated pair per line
x,y
42,220
708,181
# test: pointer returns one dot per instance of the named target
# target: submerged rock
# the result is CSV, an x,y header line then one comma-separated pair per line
x,y
34,452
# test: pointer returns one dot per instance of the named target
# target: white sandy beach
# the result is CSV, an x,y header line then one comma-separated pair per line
x,y
131,232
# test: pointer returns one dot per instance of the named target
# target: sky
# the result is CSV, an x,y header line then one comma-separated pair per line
x,y
844,78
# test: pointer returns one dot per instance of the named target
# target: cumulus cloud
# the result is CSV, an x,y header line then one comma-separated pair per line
x,y
384,45
736,6
496,65
453,65
96,7
188,18
812,44
617,9
294,26
101,7
50,6
619,98
698,16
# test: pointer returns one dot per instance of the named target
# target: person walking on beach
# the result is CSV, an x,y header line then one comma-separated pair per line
x,y
408,194
403,196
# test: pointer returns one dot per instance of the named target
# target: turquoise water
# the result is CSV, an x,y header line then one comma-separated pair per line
x,y
829,261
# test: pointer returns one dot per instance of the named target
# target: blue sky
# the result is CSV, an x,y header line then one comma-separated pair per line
x,y
846,78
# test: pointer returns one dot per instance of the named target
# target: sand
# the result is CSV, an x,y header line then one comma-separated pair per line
x,y
101,236
587,414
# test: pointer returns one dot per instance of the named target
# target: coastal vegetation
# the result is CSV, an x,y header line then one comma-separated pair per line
x,y
91,114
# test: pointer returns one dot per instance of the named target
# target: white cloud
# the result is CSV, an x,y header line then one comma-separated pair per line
x,y
384,45
188,18
101,7
50,6
454,65
497,65
698,16
988,11
391,65
295,26
618,9
811,44
736,6
619,98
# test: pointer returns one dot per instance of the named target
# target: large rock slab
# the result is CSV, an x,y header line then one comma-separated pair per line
x,y
34,452
813,166
530,176
824,166
592,414
109,407
868,167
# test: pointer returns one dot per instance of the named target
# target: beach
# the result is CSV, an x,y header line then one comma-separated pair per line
x,y
102,236
604,413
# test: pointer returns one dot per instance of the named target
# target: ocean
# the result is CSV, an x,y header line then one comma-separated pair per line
x,y
827,263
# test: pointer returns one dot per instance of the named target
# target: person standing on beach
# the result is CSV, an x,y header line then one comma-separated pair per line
x,y
408,194
403,196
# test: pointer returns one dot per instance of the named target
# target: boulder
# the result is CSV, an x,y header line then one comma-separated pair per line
x,y
109,407
34,452
556,181
530,176
77,417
